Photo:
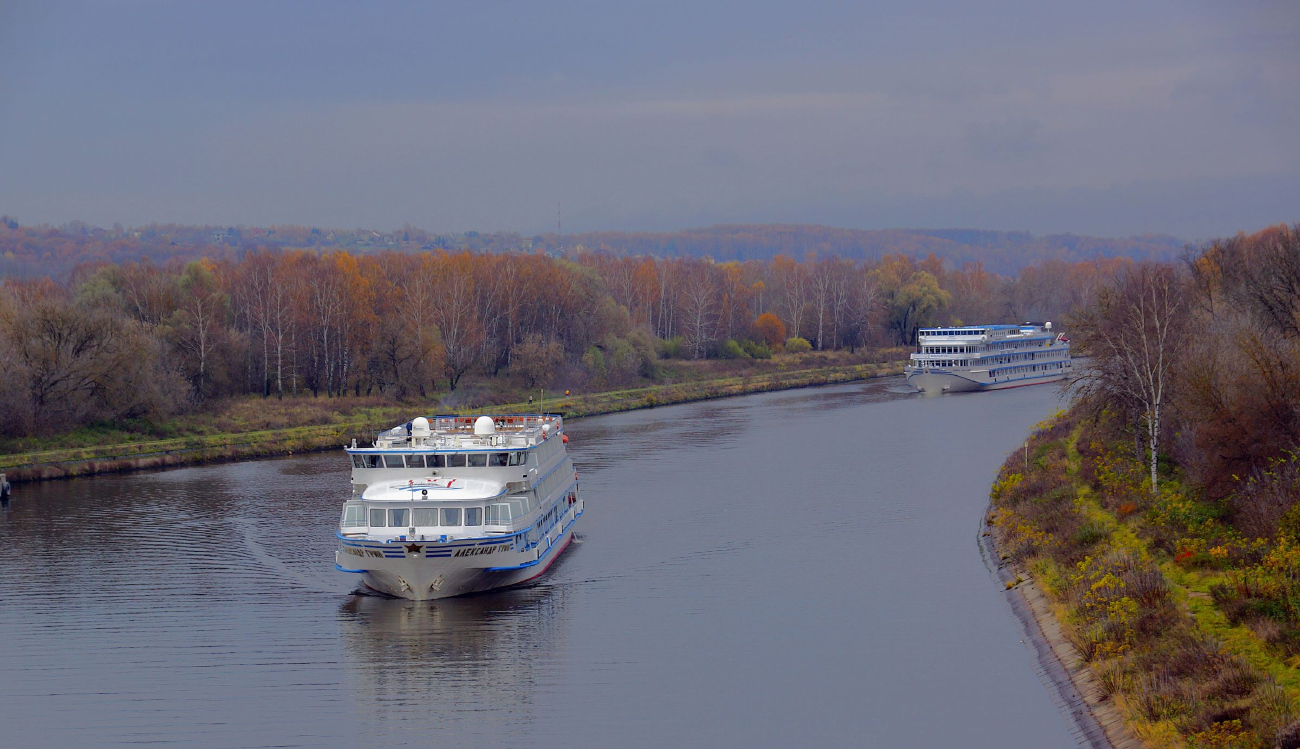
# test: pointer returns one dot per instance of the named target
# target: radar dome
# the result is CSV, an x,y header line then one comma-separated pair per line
x,y
483,426
419,427
1048,326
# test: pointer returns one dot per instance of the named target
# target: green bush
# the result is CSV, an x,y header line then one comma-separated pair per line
x,y
670,348
797,345
1289,525
757,349
733,350
594,360
1089,534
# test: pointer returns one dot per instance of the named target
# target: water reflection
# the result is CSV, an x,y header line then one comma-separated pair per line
x,y
444,663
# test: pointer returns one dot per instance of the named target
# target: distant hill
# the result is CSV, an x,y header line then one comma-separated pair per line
x,y
27,251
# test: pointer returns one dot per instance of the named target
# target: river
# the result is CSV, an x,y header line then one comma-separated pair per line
x,y
785,569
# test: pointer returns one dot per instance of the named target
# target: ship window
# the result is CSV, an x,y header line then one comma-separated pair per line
x,y
426,517
516,458
477,460
354,514
393,461
498,514
374,461
435,461
377,518
517,508
473,516
397,517
498,460
358,461
456,460
415,461
451,516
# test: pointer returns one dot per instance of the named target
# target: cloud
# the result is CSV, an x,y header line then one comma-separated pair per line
x,y
871,115
1005,140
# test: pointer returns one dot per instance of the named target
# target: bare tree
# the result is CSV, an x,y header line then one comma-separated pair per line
x,y
1133,335
454,314
793,291
699,303
821,284
200,322
866,301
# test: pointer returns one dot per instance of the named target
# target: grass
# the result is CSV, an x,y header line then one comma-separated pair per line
x,y
253,427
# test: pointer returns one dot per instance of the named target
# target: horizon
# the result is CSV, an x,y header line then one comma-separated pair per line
x,y
1171,119
64,225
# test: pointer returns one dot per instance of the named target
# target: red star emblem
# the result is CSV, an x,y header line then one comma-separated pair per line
x,y
413,548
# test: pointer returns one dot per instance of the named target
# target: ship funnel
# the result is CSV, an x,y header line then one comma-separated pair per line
x,y
484,427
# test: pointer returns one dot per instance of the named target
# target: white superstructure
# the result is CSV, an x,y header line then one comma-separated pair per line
x,y
449,505
987,357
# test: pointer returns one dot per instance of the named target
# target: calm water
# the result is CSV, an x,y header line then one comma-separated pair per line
x,y
791,568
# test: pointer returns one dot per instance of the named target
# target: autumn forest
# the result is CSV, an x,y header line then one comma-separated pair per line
x,y
136,340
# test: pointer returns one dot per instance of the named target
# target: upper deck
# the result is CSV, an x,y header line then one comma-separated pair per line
x,y
514,450
983,334
991,347
519,431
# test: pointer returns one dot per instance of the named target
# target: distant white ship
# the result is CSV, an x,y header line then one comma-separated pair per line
x,y
452,505
987,357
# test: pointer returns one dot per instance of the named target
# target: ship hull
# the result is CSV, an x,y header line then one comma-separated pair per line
x,y
957,382
436,570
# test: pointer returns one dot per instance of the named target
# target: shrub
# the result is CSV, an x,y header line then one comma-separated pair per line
x,y
733,350
1089,534
797,345
757,349
670,348
1289,524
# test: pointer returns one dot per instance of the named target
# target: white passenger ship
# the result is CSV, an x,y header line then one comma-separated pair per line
x,y
987,357
453,504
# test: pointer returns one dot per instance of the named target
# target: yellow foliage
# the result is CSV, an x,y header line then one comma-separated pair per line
x,y
1005,484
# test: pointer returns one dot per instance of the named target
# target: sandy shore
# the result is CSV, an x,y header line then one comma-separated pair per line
x,y
1092,718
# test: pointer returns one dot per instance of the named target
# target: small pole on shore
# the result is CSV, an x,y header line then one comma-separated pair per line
x,y
1026,456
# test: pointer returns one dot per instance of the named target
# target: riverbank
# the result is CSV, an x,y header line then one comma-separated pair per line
x,y
1106,565
1094,721
127,455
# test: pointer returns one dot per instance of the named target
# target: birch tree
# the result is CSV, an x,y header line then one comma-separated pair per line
x,y
1133,335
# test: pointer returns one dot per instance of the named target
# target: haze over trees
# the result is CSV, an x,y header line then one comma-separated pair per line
x,y
33,251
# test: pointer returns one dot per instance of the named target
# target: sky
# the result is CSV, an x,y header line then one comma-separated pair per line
x,y
1105,118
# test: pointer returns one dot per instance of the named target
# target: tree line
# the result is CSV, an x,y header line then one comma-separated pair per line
x,y
139,340
1202,359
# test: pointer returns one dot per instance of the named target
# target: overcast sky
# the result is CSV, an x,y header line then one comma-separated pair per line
x,y
1102,117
